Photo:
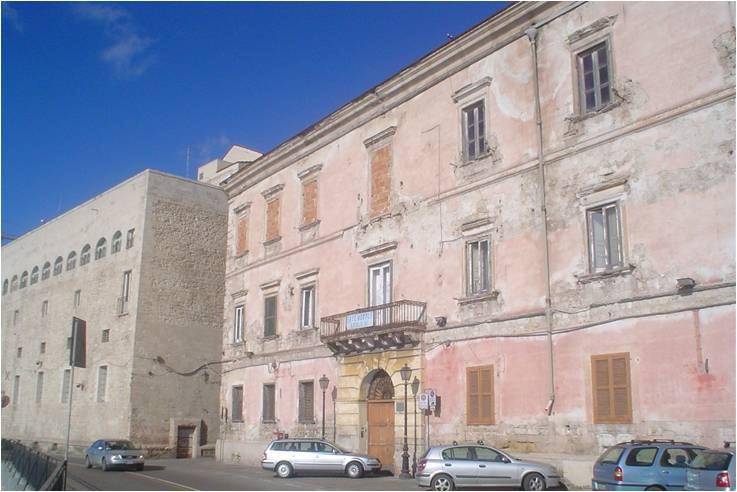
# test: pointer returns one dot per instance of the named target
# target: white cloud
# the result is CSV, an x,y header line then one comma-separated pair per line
x,y
128,54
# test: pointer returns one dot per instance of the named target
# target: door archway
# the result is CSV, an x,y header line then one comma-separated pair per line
x,y
379,393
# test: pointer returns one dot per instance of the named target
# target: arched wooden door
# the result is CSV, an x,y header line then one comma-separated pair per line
x,y
380,410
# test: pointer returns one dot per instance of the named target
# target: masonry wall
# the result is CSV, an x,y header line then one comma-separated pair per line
x,y
177,355
664,151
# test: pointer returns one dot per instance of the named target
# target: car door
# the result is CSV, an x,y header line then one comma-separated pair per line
x,y
328,458
673,465
460,463
493,469
639,466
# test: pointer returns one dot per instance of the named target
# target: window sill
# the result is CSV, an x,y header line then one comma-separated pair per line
x,y
581,116
307,422
305,330
268,421
234,421
240,255
272,241
467,162
614,272
483,297
270,337
239,343
312,224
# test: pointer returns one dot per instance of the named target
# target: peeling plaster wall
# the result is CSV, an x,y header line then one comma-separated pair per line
x,y
665,148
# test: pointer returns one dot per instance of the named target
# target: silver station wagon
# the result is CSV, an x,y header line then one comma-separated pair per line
x,y
456,466
289,456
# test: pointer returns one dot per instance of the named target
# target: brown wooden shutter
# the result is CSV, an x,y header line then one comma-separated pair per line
x,y
480,395
273,211
380,180
268,407
309,202
237,410
307,401
610,378
242,240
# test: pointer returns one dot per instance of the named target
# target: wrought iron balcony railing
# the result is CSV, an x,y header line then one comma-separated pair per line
x,y
374,319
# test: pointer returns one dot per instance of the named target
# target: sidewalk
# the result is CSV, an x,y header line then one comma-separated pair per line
x,y
576,469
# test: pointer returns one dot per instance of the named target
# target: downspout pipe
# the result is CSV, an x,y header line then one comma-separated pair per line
x,y
532,36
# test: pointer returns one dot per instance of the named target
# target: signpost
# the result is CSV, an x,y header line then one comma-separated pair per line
x,y
77,358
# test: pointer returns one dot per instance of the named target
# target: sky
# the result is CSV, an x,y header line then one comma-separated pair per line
x,y
93,93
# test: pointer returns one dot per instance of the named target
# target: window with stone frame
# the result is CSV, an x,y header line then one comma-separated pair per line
x,y
117,243
307,307
77,297
381,180
268,410
474,131
14,283
241,243
309,201
594,77
238,324
101,383
236,410
58,265
105,335
306,402
270,315
84,256
605,237
101,248
273,219
44,308
24,280
71,261
46,271
478,266
34,275
129,237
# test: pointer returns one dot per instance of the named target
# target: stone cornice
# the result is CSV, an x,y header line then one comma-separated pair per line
x,y
380,137
480,41
272,191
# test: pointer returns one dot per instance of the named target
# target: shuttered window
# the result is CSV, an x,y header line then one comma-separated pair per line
x,y
101,383
270,316
269,403
242,239
237,410
307,401
610,375
474,132
480,395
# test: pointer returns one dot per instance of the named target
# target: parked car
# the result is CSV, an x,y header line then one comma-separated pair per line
x,y
463,465
289,456
113,453
712,469
644,465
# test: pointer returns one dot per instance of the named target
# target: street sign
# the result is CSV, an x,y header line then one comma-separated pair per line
x,y
432,398
424,402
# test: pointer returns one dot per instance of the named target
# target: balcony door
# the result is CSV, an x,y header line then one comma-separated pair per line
x,y
380,290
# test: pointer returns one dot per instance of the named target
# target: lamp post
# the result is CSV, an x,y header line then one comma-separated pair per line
x,y
324,381
415,389
334,394
406,373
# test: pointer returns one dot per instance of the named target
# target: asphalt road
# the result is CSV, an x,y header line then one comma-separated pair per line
x,y
208,474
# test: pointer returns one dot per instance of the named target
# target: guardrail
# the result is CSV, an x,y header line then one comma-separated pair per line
x,y
33,469
385,316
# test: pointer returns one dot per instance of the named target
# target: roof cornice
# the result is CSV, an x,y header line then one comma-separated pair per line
x,y
478,42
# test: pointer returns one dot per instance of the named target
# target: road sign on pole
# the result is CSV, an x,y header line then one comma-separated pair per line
x,y
423,403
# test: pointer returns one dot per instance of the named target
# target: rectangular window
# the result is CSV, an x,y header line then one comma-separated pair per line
x,y
381,180
306,402
16,390
242,236
480,394
237,401
478,263
269,401
605,238
309,202
593,75
65,383
129,239
380,284
474,131
16,317
101,383
307,311
77,297
39,386
273,212
44,309
42,349
125,291
105,335
610,379
20,352
270,316
238,325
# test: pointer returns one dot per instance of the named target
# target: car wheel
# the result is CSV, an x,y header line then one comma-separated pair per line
x,y
284,469
87,463
533,481
442,482
354,469
103,465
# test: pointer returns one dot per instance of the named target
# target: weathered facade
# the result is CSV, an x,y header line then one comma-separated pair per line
x,y
143,265
536,218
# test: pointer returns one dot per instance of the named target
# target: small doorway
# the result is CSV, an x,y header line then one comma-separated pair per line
x,y
380,413
185,438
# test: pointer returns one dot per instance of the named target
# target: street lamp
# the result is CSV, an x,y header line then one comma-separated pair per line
x,y
334,394
415,389
406,373
324,381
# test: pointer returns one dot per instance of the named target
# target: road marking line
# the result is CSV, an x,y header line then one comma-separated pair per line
x,y
162,480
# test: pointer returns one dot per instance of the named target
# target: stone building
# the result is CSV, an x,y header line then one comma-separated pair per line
x,y
537,218
143,265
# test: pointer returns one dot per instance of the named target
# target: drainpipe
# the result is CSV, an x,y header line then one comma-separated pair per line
x,y
532,36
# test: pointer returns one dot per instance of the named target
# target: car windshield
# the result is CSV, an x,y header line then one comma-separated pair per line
x,y
120,445
611,455
711,461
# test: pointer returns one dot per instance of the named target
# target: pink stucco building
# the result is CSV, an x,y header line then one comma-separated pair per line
x,y
537,218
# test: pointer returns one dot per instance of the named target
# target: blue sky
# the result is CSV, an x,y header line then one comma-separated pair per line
x,y
93,93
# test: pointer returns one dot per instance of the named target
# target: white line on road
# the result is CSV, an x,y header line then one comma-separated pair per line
x,y
162,480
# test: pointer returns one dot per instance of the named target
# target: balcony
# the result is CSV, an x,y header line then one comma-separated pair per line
x,y
387,326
